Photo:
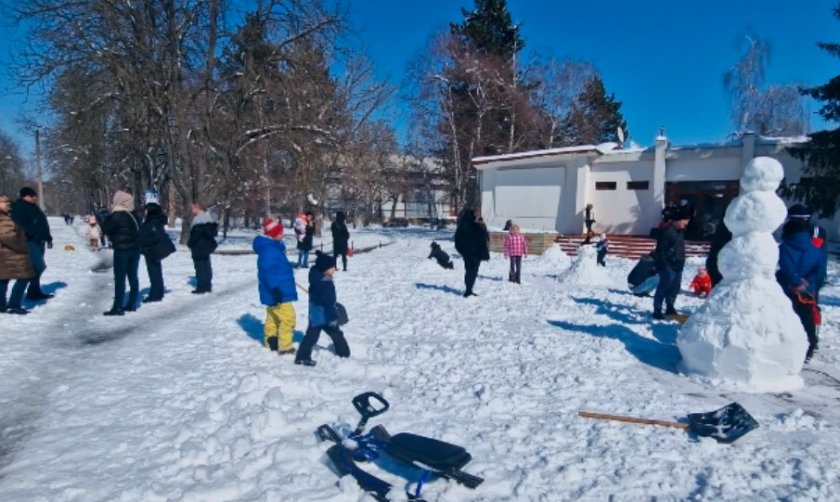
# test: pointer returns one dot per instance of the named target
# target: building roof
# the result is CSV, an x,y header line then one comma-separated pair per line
x,y
610,152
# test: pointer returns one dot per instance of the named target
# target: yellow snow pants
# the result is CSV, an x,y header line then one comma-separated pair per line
x,y
280,322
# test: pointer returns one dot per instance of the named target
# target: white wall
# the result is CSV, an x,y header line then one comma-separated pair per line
x,y
531,197
623,211
716,164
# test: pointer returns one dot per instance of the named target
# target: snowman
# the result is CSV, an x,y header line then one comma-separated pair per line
x,y
746,334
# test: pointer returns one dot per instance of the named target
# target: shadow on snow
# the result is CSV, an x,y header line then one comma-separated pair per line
x,y
651,352
253,327
445,289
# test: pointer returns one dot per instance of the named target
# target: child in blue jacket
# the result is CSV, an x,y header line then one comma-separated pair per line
x,y
323,314
802,269
277,288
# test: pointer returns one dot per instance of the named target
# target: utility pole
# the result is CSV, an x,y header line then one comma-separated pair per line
x,y
38,177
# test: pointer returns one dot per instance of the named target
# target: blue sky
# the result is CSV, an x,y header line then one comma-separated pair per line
x,y
663,59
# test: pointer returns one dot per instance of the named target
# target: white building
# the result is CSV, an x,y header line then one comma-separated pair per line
x,y
549,189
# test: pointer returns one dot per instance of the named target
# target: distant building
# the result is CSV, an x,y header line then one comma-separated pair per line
x,y
549,189
416,190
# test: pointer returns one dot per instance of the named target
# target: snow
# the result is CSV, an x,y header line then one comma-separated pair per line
x,y
179,401
746,335
585,270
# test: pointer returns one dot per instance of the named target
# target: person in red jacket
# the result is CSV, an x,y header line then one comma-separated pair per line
x,y
702,283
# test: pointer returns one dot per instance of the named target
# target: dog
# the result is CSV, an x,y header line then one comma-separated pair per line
x,y
441,256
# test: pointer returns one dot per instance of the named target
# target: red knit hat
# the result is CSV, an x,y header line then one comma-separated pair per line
x,y
272,228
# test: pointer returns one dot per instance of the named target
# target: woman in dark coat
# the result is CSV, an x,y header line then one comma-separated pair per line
x,y
802,268
155,245
14,261
471,240
122,227
341,238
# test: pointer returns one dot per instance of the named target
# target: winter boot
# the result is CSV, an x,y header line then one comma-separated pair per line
x,y
286,352
658,315
272,344
305,362
114,312
671,311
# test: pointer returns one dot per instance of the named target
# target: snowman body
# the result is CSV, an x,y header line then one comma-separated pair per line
x,y
746,334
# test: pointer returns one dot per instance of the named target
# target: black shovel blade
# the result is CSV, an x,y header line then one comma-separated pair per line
x,y
726,425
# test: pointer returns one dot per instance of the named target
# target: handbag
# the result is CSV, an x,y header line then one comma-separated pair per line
x,y
349,252
341,314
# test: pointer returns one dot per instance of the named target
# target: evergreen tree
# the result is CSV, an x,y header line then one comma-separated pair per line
x,y
595,117
489,29
489,103
820,187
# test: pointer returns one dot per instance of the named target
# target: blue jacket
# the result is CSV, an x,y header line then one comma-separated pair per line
x,y
277,281
800,259
322,299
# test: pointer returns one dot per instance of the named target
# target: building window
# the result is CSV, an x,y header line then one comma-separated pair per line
x,y
605,185
637,185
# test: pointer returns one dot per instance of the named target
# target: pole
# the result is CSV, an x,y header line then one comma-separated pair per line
x,y
38,169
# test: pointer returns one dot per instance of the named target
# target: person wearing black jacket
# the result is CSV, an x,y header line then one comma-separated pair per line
x,y
721,237
27,215
471,240
669,257
155,245
341,238
122,227
202,243
305,244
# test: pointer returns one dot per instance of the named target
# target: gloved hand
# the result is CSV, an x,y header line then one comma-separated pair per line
x,y
278,296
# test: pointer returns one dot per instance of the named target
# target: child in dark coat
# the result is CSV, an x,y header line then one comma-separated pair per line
x,y
323,313
602,247
441,256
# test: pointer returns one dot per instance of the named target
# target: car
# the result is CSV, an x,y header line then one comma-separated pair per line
x,y
396,223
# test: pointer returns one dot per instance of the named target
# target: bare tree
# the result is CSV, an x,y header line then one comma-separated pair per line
x,y
776,110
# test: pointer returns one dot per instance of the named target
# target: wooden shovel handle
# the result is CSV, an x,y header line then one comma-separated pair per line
x,y
635,420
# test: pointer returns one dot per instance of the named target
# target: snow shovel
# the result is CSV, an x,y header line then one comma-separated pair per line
x,y
726,425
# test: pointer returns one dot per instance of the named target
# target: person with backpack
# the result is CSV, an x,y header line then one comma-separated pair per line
x,y
155,245
323,311
202,243
122,227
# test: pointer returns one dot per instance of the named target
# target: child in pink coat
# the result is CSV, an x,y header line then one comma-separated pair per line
x,y
515,248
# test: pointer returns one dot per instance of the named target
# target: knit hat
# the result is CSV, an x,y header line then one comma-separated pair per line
x,y
27,192
799,211
323,261
272,228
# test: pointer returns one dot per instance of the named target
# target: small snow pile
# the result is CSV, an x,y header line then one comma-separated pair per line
x,y
554,257
585,269
746,333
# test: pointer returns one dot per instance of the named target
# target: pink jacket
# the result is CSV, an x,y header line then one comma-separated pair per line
x,y
515,245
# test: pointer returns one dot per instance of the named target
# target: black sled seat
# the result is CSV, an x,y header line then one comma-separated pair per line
x,y
438,455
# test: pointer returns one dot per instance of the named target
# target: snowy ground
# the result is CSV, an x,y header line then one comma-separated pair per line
x,y
179,401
